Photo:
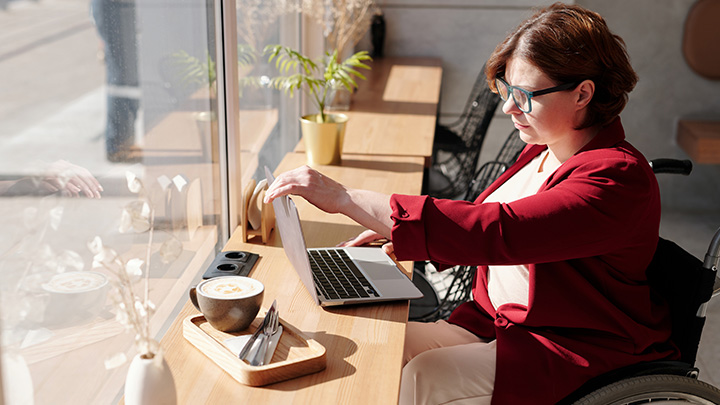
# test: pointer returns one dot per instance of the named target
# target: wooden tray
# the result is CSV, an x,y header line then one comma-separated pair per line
x,y
296,354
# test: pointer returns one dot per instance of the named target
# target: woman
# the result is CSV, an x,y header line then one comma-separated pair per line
x,y
562,238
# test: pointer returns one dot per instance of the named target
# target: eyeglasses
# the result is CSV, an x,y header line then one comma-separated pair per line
x,y
522,97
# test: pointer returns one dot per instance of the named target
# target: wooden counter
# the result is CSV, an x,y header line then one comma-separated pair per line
x,y
364,343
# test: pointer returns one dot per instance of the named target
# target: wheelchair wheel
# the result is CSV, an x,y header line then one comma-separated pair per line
x,y
665,389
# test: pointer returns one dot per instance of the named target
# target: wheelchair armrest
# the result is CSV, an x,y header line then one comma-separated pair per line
x,y
675,166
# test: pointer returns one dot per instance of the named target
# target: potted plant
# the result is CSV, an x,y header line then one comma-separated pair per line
x,y
323,133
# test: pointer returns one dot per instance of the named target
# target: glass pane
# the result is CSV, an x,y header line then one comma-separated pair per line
x,y
93,90
268,118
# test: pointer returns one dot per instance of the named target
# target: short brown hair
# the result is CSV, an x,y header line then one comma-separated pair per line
x,y
571,44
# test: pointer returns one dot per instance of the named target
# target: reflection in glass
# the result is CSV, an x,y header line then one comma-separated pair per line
x,y
268,128
116,26
97,93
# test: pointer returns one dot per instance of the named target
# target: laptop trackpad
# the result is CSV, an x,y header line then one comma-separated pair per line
x,y
380,271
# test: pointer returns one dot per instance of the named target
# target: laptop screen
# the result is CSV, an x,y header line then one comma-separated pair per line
x,y
287,222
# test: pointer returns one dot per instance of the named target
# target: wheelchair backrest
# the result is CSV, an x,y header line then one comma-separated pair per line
x,y
681,280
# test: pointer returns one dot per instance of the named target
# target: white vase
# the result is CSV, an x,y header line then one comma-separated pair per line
x,y
16,380
149,381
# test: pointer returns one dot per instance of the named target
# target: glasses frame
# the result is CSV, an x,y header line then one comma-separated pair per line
x,y
531,94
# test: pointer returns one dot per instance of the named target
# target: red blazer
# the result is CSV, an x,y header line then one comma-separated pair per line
x,y
587,236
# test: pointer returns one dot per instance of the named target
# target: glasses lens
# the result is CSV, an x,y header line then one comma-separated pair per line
x,y
502,89
521,100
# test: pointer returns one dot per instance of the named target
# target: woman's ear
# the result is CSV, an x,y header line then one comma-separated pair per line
x,y
584,91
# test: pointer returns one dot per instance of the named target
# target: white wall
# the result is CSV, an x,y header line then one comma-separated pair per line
x,y
463,33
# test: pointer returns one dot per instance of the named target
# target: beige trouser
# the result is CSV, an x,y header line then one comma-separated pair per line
x,y
446,364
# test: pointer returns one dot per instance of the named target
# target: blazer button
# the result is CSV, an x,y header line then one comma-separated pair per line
x,y
501,322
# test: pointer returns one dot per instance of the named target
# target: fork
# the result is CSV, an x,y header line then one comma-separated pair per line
x,y
270,329
245,352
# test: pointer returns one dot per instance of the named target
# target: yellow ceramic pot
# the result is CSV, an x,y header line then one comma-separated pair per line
x,y
323,140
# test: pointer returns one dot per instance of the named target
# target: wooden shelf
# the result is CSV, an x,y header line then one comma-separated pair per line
x,y
700,140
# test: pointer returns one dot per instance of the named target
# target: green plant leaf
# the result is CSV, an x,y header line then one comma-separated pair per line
x,y
247,55
191,72
316,77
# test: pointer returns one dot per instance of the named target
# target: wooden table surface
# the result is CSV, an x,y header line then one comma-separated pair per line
x,y
363,343
394,111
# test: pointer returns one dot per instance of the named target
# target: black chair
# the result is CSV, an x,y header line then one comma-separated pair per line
x,y
455,286
432,306
490,171
456,147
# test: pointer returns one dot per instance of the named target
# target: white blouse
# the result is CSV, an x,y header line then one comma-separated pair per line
x,y
510,284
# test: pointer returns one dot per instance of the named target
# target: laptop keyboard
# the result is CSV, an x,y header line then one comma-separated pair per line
x,y
337,277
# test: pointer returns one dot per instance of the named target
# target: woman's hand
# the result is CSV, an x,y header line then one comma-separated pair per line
x,y
70,180
318,189
366,237
369,237
61,177
368,208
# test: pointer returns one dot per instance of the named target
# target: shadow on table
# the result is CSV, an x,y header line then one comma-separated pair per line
x,y
338,348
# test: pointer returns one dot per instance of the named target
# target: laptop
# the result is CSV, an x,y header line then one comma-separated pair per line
x,y
339,276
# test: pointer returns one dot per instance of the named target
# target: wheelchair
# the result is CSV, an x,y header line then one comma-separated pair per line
x,y
687,284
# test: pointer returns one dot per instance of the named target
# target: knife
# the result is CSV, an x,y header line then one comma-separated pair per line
x,y
246,349
272,345
258,359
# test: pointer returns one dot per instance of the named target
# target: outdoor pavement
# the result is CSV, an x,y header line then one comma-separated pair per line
x,y
52,94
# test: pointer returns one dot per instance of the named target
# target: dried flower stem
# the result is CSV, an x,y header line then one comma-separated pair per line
x,y
147,270
125,290
343,22
350,27
133,311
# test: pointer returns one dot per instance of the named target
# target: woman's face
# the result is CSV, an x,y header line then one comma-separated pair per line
x,y
553,116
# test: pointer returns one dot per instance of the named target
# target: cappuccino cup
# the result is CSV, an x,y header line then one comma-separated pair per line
x,y
229,303
75,296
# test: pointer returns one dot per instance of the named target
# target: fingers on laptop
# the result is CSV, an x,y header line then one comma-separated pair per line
x,y
365,238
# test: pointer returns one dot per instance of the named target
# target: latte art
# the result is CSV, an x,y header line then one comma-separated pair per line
x,y
230,287
75,282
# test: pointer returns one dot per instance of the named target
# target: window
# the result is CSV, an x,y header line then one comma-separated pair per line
x,y
101,89
106,91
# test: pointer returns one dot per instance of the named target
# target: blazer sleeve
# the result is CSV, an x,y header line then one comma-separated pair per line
x,y
585,209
